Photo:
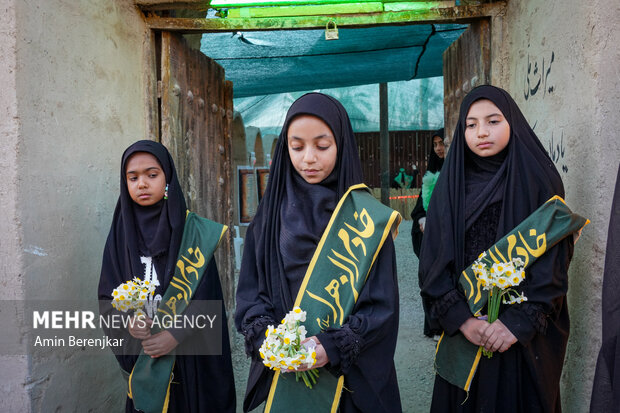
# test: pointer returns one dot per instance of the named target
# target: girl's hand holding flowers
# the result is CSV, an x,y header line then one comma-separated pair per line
x,y
140,327
498,278
321,355
283,349
473,330
159,344
133,295
497,337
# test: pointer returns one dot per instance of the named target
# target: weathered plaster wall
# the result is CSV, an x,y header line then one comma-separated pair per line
x,y
80,102
560,60
14,372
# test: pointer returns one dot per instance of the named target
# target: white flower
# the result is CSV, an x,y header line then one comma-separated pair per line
x,y
132,295
498,269
518,262
298,314
518,298
302,333
289,338
281,348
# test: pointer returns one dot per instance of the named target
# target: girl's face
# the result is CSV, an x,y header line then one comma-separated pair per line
x,y
146,181
487,132
312,148
439,147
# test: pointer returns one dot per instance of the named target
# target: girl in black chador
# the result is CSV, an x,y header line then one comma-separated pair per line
x,y
144,241
316,163
496,174
418,214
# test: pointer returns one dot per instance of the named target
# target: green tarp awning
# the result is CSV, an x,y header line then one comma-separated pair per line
x,y
262,63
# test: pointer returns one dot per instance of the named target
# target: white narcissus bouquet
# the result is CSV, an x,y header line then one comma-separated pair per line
x,y
498,279
132,295
282,349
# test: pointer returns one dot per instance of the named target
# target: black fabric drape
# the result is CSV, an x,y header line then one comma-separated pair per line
x,y
434,165
279,245
606,388
136,231
522,177
156,231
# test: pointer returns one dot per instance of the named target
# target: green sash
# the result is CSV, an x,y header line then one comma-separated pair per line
x,y
337,272
456,359
149,382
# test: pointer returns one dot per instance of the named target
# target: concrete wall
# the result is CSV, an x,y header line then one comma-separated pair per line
x,y
14,372
79,102
560,61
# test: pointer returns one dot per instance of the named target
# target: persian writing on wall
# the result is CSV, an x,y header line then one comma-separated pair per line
x,y
538,85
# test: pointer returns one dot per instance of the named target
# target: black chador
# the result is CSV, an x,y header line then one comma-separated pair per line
x,y
150,236
278,247
606,386
434,165
475,203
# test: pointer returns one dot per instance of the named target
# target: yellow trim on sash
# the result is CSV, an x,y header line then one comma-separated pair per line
x,y
319,247
129,393
167,401
474,367
224,229
559,198
439,342
272,391
304,283
336,402
302,290
388,228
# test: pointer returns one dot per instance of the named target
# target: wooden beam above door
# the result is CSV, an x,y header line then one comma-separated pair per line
x,y
154,5
456,14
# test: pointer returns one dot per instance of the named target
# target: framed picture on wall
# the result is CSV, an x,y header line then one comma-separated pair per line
x,y
248,194
262,177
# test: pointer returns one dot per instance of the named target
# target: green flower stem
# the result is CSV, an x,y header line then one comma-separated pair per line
x,y
312,377
304,377
309,377
495,299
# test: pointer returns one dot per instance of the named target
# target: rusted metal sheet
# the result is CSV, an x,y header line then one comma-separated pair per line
x,y
466,64
196,114
406,148
456,14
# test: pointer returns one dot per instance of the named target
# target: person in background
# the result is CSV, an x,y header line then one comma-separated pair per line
x,y
434,164
418,214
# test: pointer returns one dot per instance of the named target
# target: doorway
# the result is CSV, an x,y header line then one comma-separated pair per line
x,y
189,106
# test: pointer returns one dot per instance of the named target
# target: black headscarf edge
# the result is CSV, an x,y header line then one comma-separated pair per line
x,y
265,227
121,258
530,177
